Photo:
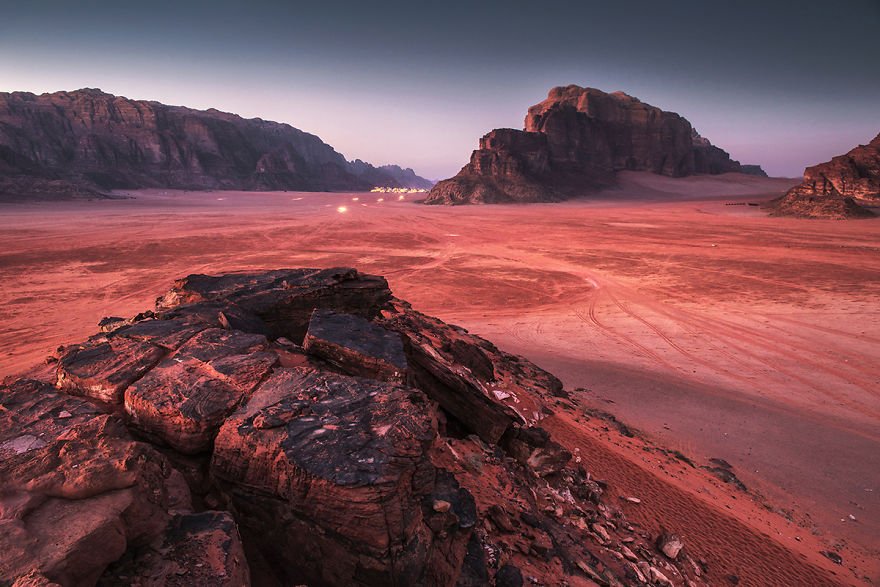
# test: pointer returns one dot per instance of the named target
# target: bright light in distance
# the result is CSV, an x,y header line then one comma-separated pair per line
x,y
342,209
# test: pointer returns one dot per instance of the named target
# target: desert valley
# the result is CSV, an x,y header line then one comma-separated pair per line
x,y
604,352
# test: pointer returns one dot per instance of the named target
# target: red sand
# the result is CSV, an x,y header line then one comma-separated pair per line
x,y
714,329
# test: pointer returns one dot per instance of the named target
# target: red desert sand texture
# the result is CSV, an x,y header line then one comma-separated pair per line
x,y
716,331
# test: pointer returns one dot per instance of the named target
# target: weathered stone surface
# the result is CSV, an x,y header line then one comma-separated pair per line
x,y
445,480
183,401
80,143
837,189
313,451
102,368
76,489
534,448
573,143
168,334
669,544
284,299
482,387
195,549
356,346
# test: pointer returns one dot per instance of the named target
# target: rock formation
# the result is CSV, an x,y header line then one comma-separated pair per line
x,y
301,427
840,188
84,142
379,176
573,143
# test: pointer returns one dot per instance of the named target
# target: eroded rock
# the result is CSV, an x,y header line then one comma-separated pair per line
x,y
183,401
284,299
195,549
102,368
573,143
312,451
76,491
356,345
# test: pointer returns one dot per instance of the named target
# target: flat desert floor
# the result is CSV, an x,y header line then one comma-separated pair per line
x,y
708,327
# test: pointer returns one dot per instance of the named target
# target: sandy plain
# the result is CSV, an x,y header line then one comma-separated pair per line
x,y
690,315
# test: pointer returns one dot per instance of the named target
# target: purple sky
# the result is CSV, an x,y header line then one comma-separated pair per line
x,y
776,83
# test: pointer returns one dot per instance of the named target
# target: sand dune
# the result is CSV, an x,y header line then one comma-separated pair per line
x,y
717,331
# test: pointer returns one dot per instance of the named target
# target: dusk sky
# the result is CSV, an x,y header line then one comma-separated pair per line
x,y
784,84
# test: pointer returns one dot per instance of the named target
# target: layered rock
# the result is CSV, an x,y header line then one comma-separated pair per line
x,y
308,428
183,400
80,143
573,143
356,346
840,188
308,442
77,491
196,549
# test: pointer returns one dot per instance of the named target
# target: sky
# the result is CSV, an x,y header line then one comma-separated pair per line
x,y
780,83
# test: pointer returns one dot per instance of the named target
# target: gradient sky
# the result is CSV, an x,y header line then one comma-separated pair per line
x,y
782,83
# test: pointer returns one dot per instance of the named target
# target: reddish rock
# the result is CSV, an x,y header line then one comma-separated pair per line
x,y
183,401
284,300
356,346
102,368
332,479
479,385
195,549
534,448
80,143
573,143
168,334
77,490
669,544
837,189
310,453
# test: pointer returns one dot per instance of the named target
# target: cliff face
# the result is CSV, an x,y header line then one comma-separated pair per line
x,y
838,188
574,142
88,140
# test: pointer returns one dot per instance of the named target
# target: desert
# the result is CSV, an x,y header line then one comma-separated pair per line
x,y
456,294
714,331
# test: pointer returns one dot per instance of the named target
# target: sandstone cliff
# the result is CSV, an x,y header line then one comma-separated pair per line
x,y
839,188
573,143
87,141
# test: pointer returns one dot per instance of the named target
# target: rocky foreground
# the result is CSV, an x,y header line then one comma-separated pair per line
x,y
837,189
82,143
301,427
573,144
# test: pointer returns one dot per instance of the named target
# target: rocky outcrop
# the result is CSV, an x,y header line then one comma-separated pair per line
x,y
356,346
81,143
77,491
308,442
300,426
837,189
195,549
573,143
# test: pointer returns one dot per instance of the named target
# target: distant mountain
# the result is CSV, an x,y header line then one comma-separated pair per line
x,y
378,176
573,143
87,141
839,188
